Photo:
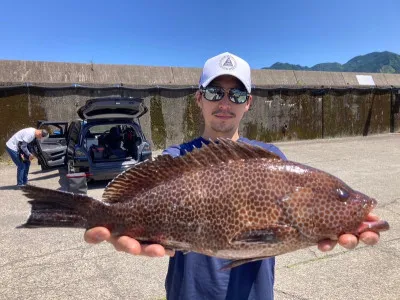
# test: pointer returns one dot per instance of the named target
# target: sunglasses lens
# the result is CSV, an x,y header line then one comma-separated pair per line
x,y
213,94
238,96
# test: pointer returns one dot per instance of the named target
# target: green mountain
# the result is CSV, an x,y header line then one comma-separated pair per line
x,y
375,62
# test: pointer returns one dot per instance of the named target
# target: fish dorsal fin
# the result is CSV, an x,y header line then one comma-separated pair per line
x,y
149,174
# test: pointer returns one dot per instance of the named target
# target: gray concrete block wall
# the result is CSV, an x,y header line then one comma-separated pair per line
x,y
286,107
14,72
174,117
273,78
314,78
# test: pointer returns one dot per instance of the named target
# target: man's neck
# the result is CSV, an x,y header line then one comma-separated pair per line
x,y
216,135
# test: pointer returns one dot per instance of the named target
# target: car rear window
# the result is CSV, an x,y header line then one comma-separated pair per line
x,y
111,111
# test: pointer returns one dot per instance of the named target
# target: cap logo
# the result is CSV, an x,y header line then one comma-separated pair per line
x,y
227,62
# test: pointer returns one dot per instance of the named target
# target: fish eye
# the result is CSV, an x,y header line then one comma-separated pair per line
x,y
343,194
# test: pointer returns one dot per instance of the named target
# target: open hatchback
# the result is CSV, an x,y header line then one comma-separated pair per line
x,y
105,141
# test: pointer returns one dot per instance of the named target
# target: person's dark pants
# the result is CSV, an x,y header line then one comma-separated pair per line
x,y
22,167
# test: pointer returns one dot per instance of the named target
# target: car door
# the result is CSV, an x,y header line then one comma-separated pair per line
x,y
52,150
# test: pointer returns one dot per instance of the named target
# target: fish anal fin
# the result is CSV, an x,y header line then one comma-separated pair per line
x,y
146,175
183,247
237,262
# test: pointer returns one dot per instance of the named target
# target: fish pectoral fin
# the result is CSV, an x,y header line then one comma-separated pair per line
x,y
270,235
256,236
184,252
238,262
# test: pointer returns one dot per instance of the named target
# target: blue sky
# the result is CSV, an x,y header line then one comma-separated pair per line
x,y
186,33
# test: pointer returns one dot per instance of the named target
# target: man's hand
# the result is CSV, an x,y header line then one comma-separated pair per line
x,y
124,243
350,241
31,157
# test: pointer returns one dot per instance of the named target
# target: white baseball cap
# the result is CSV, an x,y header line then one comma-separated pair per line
x,y
226,64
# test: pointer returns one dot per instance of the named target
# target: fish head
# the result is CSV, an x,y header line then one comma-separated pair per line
x,y
326,207
340,209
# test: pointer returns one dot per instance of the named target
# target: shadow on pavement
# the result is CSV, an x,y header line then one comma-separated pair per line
x,y
9,188
97,184
62,180
43,171
45,177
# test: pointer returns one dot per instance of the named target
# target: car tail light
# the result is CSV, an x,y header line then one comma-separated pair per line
x,y
146,147
79,175
146,152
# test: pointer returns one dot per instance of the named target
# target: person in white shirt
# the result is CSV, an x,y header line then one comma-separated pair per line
x,y
17,148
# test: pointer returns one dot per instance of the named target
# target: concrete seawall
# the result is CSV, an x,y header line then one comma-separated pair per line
x,y
288,105
13,71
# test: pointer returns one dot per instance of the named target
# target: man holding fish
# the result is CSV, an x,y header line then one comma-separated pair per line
x,y
223,97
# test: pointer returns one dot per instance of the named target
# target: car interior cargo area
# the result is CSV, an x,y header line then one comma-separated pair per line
x,y
112,142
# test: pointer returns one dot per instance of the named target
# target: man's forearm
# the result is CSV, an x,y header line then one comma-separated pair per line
x,y
24,148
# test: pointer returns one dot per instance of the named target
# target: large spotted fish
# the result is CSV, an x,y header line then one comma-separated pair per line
x,y
226,199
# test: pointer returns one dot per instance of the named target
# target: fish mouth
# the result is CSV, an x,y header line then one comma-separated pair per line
x,y
367,203
372,203
375,226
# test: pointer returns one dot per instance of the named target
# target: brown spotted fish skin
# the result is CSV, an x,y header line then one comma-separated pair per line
x,y
227,199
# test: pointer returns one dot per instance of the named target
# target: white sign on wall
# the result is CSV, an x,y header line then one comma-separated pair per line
x,y
365,80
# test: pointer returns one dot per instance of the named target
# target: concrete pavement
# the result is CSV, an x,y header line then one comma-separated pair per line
x,y
52,263
372,166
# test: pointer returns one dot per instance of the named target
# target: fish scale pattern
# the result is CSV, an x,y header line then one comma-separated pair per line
x,y
226,199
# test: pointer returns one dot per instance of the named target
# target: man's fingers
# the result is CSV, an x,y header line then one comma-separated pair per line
x,y
169,252
126,244
326,245
371,217
97,235
369,238
132,246
153,250
348,241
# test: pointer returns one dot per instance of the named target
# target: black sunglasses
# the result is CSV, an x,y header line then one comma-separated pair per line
x,y
217,93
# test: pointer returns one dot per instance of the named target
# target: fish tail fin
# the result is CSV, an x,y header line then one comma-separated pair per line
x,y
52,208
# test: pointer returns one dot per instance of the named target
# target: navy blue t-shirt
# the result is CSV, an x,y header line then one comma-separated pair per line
x,y
195,276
